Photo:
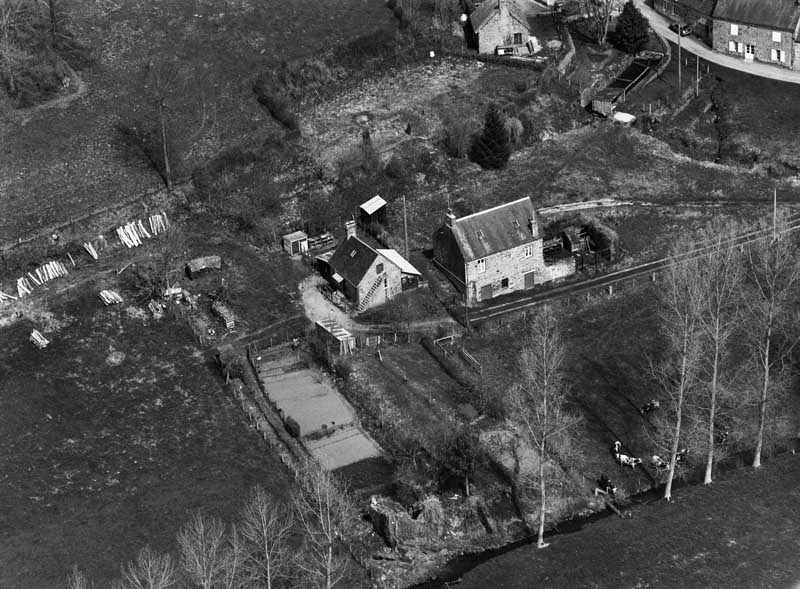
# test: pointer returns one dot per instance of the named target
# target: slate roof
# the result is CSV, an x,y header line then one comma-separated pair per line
x,y
705,7
352,259
496,230
779,15
483,14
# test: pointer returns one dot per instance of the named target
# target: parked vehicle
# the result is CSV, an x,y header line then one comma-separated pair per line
x,y
682,30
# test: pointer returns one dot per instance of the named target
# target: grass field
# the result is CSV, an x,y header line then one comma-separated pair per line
x,y
740,532
100,459
66,162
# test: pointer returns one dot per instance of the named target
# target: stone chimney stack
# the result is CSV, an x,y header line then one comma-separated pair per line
x,y
350,227
449,218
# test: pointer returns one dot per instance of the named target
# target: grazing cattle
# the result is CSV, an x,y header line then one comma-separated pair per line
x,y
605,486
648,407
617,447
625,460
659,462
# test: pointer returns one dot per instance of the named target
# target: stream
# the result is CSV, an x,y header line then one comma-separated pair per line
x,y
451,573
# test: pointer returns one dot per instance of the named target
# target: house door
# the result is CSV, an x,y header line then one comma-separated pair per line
x,y
295,248
529,280
486,292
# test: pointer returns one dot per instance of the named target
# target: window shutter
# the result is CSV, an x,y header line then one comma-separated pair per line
x,y
774,55
731,46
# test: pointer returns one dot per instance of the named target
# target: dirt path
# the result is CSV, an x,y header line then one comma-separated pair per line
x,y
318,308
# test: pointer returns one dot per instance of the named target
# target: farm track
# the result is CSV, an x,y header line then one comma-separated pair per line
x,y
503,308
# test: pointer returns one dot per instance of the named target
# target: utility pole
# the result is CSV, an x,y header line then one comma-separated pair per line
x,y
405,225
774,213
680,87
697,76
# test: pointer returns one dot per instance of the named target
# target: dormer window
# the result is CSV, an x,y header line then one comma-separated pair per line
x,y
479,233
515,223
353,254
379,269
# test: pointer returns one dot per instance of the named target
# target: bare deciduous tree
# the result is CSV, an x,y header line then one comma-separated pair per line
x,y
773,268
202,546
598,15
677,373
150,570
325,513
77,579
538,399
265,526
720,273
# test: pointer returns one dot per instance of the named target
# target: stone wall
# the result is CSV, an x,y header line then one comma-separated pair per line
x,y
391,274
511,265
500,30
760,37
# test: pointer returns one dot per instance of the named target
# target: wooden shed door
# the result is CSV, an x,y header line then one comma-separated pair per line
x,y
486,292
528,280
295,247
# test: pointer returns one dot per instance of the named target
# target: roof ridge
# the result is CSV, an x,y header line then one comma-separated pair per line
x,y
494,208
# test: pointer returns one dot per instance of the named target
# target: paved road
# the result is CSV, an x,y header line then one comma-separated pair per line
x,y
660,25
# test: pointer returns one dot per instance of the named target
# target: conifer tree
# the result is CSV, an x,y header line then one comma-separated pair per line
x,y
492,148
632,29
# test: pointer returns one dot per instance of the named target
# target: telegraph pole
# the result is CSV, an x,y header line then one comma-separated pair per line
x,y
774,213
697,76
680,87
405,224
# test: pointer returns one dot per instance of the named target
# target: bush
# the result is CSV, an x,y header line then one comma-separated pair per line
x,y
396,168
632,29
277,104
456,136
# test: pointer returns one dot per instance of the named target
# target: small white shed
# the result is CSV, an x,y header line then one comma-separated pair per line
x,y
295,243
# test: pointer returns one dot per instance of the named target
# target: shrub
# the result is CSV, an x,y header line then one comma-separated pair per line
x,y
491,149
277,104
456,136
397,168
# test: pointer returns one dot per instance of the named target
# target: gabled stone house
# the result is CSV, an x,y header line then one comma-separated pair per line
x,y
696,13
368,277
495,252
758,30
498,22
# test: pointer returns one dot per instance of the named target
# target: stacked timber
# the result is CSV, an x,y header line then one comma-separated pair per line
x,y
110,297
7,297
38,339
131,234
90,250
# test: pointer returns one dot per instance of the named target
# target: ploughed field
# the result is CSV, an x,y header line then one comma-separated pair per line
x,y
111,436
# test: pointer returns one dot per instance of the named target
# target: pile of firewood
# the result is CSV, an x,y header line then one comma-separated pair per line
x,y
90,250
131,234
38,339
109,297
39,276
7,297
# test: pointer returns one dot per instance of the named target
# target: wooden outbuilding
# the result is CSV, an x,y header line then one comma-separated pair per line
x,y
372,212
199,265
335,337
295,243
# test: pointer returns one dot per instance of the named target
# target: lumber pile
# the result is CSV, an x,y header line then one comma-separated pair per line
x,y
224,313
44,273
90,249
110,297
131,234
38,339
7,297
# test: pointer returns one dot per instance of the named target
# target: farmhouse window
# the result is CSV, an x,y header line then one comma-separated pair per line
x,y
517,38
528,251
778,55
750,49
504,283
734,30
379,269
480,265
735,47
674,9
479,233
776,36
665,6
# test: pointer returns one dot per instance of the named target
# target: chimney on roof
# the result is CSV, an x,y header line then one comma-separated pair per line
x,y
449,218
532,225
350,227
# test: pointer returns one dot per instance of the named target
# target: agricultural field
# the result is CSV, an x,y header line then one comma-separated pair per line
x,y
59,164
738,532
112,435
119,428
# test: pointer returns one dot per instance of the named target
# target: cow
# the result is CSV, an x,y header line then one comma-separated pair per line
x,y
649,407
625,460
605,486
659,462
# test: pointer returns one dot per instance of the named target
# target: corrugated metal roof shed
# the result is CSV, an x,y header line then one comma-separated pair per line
x,y
373,204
